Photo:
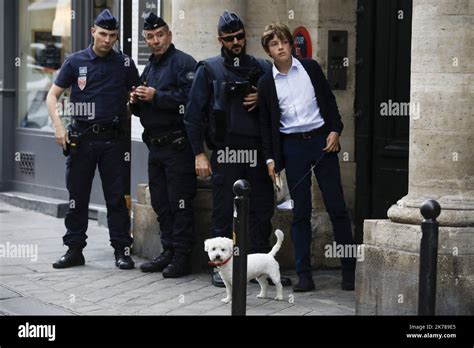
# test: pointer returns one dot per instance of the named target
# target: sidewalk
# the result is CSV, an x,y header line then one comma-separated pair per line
x,y
30,286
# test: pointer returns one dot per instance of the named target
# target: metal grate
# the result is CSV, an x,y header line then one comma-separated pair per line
x,y
27,163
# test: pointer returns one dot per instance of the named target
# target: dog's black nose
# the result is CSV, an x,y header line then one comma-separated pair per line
x,y
218,257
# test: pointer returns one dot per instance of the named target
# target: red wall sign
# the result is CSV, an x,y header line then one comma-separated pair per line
x,y
302,43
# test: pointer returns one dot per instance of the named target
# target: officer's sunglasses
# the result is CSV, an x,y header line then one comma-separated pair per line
x,y
231,38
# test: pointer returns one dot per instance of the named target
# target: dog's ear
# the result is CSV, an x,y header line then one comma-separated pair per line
x,y
230,242
206,245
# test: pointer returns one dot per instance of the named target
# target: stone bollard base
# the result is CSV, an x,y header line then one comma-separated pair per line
x,y
387,279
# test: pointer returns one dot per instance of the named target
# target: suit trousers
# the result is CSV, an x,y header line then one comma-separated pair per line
x,y
299,155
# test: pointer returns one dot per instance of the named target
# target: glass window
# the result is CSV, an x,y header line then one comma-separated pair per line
x,y
45,41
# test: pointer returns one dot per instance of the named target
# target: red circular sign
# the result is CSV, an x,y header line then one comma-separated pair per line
x,y
302,43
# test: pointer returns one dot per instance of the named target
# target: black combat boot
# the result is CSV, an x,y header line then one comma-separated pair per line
x,y
73,257
178,267
122,260
159,263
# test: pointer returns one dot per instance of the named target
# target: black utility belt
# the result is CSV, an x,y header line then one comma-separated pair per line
x,y
80,131
104,135
168,138
96,128
307,135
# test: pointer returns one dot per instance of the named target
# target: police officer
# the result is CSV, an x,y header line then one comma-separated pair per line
x,y
222,105
100,80
160,103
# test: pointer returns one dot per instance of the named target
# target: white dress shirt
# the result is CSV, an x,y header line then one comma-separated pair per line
x,y
298,105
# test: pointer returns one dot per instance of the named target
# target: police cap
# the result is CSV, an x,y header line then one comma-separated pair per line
x,y
152,22
106,20
229,22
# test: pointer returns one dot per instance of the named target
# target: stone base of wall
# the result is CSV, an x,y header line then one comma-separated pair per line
x,y
387,279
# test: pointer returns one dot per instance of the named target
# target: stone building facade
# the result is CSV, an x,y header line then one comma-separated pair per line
x,y
195,31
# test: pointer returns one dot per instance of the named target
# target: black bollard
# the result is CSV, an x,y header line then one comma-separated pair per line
x,y
430,210
239,262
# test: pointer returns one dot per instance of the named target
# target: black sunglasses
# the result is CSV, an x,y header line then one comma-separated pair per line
x,y
231,38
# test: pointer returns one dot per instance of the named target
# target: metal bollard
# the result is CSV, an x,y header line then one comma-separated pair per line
x,y
430,209
239,262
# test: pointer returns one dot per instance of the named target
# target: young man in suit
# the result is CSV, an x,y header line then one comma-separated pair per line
x,y
300,127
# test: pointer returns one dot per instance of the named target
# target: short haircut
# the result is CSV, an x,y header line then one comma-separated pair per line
x,y
98,27
280,30
166,27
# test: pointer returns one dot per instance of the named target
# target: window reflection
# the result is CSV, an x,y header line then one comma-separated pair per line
x,y
45,41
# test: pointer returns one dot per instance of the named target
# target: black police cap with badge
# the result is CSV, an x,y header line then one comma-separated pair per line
x,y
106,20
229,22
152,22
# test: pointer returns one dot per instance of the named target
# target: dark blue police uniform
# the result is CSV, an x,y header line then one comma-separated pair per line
x,y
171,175
215,112
102,82
172,178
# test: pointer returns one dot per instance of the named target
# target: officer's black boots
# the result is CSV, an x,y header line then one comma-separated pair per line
x,y
123,260
179,266
159,263
73,257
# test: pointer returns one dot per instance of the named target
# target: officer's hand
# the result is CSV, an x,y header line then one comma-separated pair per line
x,y
133,96
251,99
332,142
145,93
271,171
60,134
203,167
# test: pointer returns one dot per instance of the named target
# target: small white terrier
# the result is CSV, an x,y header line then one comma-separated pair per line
x,y
259,266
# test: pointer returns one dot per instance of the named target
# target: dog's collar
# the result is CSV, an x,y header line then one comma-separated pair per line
x,y
219,264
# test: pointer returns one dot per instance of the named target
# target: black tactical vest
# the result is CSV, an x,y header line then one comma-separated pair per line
x,y
227,113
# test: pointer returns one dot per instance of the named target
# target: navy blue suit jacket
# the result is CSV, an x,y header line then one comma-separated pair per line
x,y
270,110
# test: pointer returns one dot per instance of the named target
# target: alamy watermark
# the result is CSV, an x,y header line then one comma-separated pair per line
x,y
335,250
12,250
227,155
85,109
394,108
28,330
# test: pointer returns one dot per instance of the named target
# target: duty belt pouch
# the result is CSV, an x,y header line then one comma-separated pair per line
x,y
73,144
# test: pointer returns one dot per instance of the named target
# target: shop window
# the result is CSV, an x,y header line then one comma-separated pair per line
x,y
45,41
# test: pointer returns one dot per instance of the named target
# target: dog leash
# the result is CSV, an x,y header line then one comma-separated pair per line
x,y
304,176
308,172
210,263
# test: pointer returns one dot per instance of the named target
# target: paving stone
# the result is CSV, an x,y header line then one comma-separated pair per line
x,y
28,306
7,293
99,288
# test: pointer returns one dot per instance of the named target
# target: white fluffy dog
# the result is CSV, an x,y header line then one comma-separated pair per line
x,y
259,266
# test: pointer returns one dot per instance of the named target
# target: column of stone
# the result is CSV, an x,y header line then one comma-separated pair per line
x,y
441,167
441,162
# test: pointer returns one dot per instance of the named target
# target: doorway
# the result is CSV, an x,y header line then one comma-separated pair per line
x,y
382,87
